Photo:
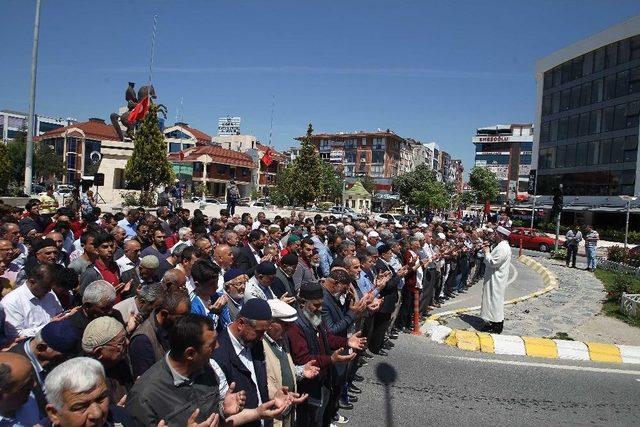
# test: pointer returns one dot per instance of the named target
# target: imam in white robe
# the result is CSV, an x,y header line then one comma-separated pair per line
x,y
495,282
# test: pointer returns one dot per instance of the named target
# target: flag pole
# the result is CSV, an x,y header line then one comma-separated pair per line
x,y
153,46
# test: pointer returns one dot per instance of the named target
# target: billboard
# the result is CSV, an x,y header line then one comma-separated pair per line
x,y
229,126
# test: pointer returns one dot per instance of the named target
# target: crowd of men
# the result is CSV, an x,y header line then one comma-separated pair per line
x,y
176,319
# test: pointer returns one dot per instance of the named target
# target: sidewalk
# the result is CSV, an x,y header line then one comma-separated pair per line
x,y
572,309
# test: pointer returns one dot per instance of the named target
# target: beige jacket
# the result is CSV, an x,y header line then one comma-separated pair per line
x,y
274,380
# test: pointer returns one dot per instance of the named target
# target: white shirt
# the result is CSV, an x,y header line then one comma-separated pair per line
x,y
26,314
125,264
244,354
255,253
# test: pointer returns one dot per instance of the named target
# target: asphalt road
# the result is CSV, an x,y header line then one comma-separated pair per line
x,y
440,385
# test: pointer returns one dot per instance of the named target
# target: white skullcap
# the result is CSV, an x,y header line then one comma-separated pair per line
x,y
373,234
500,229
280,310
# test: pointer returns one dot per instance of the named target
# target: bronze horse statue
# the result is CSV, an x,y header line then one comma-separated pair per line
x,y
132,101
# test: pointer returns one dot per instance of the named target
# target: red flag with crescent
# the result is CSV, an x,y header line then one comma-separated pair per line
x,y
266,158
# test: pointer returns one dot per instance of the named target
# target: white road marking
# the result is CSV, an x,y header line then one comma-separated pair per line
x,y
542,365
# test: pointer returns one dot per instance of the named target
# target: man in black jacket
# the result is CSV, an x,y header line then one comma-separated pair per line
x,y
250,256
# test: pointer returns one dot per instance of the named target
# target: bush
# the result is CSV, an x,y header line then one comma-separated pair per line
x,y
519,223
560,253
130,198
324,206
619,254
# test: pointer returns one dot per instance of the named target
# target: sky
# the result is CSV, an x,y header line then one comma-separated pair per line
x,y
428,70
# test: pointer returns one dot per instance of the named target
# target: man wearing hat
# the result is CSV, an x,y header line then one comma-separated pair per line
x,y
284,283
293,245
240,353
234,288
105,339
311,340
281,371
145,273
259,286
50,347
498,262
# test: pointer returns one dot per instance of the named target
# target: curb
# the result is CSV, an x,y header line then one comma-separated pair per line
x,y
548,279
525,345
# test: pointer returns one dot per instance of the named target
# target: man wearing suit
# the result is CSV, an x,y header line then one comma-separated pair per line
x,y
240,353
382,318
284,277
51,346
250,255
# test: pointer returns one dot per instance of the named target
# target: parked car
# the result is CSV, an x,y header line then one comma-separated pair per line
x,y
532,239
64,188
387,218
343,212
261,203
209,199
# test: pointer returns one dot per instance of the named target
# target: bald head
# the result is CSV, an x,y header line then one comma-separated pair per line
x,y
174,279
223,256
16,382
132,250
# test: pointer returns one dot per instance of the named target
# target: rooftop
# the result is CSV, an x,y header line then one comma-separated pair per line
x,y
92,129
217,154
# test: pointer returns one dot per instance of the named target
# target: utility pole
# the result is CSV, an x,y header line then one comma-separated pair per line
x,y
28,168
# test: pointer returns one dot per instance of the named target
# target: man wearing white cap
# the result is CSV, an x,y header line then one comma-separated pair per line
x,y
373,238
281,372
496,275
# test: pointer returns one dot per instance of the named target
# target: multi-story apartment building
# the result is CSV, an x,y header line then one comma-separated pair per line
x,y
376,154
506,151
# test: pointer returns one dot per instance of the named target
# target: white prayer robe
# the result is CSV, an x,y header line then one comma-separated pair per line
x,y
495,282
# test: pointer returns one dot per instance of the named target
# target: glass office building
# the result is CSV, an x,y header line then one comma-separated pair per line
x,y
588,115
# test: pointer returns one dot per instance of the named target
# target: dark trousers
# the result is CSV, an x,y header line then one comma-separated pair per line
x,y
437,285
572,252
405,316
428,290
231,207
381,323
480,270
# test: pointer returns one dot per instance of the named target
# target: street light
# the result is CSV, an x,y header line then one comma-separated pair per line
x,y
533,209
627,199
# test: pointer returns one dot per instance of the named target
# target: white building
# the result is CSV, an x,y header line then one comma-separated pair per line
x,y
13,122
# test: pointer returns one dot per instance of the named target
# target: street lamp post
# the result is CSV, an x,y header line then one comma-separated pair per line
x,y
533,209
31,132
627,199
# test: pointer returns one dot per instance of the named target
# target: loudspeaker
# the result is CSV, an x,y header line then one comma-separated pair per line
x,y
98,179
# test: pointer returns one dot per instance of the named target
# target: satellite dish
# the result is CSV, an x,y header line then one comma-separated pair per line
x,y
95,157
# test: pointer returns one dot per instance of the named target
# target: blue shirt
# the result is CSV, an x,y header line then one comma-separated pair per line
x,y
129,228
27,415
198,307
365,284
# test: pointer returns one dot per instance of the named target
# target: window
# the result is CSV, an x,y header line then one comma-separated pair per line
x,y
553,130
624,50
555,101
565,100
560,155
634,80
379,143
364,142
592,155
565,70
583,124
611,55
575,97
605,151
607,119
573,127
71,161
350,143
622,83
633,112
634,48
609,87
548,80
630,149
544,132
556,76
581,154
546,105
72,145
350,156
576,68
177,134
324,144
377,171
348,170
585,94
563,127
596,91
595,121
570,157
617,149
598,60
174,147
620,117
587,64
377,156
221,169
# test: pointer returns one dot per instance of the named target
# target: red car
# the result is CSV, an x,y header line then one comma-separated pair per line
x,y
532,239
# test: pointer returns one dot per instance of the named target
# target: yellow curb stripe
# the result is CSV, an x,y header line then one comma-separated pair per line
x,y
486,342
604,352
452,339
468,340
540,347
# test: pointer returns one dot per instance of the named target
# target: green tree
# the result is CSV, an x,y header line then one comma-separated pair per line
x,y
421,189
5,168
47,165
484,184
468,198
148,166
368,183
331,183
16,150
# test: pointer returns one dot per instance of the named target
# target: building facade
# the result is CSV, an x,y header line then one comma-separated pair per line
x,y
506,151
14,122
375,154
588,101
88,148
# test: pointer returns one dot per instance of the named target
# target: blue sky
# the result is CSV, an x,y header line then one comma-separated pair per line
x,y
430,70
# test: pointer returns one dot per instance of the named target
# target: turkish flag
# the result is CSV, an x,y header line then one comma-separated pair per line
x,y
139,111
487,207
267,159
